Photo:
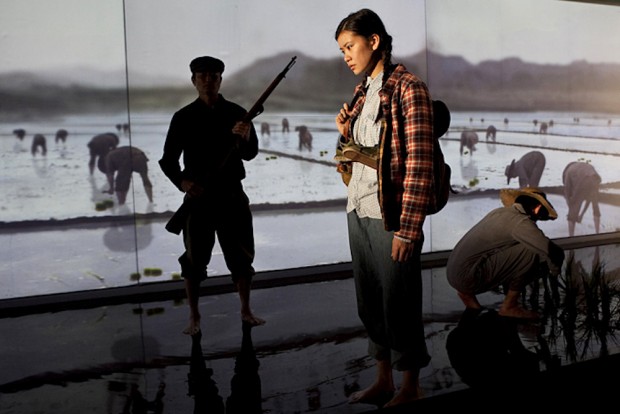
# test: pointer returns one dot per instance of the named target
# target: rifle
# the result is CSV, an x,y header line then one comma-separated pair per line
x,y
177,221
257,108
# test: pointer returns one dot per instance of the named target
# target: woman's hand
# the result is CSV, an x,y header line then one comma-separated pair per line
x,y
401,250
342,119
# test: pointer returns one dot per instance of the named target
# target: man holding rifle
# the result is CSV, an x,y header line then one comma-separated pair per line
x,y
214,136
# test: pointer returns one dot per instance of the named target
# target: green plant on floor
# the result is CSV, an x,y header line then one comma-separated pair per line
x,y
104,205
581,311
474,182
152,271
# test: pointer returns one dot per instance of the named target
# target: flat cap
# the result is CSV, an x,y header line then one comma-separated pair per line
x,y
206,64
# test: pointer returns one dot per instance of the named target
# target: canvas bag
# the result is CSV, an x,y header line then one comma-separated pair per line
x,y
347,151
441,170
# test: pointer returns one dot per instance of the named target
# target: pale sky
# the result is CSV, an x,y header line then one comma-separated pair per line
x,y
162,36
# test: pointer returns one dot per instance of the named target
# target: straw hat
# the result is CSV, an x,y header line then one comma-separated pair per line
x,y
509,195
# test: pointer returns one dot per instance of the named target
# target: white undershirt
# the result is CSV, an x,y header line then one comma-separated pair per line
x,y
363,188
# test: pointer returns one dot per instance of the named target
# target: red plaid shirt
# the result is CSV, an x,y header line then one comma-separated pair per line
x,y
405,171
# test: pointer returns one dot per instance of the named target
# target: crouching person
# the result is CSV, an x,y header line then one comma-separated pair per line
x,y
506,248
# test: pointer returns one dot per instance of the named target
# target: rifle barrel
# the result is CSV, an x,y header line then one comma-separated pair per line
x,y
257,108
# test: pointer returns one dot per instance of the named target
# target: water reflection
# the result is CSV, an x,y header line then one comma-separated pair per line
x,y
128,236
469,168
40,166
98,195
485,349
491,147
137,404
586,307
200,382
126,352
245,385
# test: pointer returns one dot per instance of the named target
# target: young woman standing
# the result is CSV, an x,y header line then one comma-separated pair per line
x,y
386,208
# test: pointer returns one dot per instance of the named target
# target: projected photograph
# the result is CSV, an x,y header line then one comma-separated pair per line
x,y
533,102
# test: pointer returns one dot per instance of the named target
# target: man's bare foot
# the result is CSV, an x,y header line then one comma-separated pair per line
x,y
252,319
193,328
404,396
376,394
518,312
470,301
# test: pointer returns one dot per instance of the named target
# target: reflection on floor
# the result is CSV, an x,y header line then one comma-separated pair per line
x,y
245,385
311,354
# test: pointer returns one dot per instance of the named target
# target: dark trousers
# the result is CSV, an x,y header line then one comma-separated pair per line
x,y
389,295
230,218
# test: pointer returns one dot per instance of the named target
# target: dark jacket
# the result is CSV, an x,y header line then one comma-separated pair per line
x,y
204,137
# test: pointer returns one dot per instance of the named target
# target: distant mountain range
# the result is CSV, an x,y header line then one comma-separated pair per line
x,y
324,84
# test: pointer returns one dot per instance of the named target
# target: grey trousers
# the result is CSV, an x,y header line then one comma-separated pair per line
x,y
512,268
389,295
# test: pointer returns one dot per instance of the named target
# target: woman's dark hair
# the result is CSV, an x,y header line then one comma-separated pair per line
x,y
529,204
366,22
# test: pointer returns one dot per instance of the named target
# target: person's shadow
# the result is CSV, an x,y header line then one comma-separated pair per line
x,y
245,385
485,350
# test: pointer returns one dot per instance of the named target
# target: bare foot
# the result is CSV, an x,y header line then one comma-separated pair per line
x,y
252,319
375,394
404,396
193,328
518,312
470,301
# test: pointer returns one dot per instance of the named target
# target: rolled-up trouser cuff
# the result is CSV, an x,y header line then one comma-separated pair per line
x,y
399,361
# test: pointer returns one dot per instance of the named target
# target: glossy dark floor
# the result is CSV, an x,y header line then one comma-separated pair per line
x,y
311,354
